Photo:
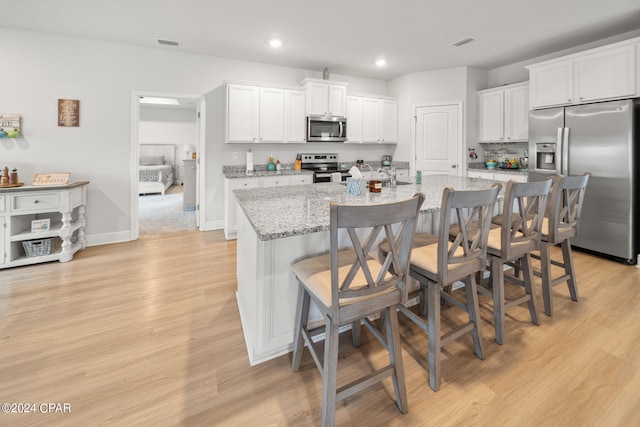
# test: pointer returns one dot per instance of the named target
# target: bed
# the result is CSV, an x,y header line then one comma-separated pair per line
x,y
156,170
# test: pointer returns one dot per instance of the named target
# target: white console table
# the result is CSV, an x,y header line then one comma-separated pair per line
x,y
63,205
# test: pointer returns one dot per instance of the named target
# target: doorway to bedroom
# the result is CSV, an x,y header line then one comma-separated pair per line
x,y
167,138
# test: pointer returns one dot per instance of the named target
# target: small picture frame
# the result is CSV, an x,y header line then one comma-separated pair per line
x,y
40,225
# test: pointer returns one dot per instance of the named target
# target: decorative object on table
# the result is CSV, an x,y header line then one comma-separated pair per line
x,y
325,74
13,177
9,125
40,225
68,112
51,179
187,151
418,177
271,166
356,186
278,165
491,164
4,179
297,165
386,160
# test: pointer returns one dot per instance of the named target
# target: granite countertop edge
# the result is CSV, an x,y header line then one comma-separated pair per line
x,y
280,212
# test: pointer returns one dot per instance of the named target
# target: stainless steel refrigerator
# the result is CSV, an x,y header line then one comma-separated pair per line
x,y
600,138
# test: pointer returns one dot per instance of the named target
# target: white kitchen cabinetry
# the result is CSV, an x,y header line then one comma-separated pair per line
x,y
354,120
231,206
504,113
262,114
243,113
295,117
371,120
271,118
300,179
63,206
604,73
497,176
325,98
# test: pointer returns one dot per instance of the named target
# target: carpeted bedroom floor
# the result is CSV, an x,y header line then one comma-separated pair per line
x,y
160,214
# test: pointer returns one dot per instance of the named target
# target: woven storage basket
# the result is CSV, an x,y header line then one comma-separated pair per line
x,y
41,247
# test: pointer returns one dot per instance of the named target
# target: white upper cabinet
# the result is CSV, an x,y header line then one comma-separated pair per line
x,y
504,113
604,73
354,120
325,98
271,115
371,120
295,118
263,114
243,113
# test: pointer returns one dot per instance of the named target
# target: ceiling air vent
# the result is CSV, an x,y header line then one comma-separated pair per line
x,y
164,42
462,42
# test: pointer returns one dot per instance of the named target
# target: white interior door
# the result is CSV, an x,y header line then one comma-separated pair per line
x,y
438,139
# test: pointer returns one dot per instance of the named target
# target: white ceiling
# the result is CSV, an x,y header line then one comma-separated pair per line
x,y
347,36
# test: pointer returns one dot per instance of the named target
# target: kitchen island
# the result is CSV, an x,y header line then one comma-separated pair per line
x,y
277,226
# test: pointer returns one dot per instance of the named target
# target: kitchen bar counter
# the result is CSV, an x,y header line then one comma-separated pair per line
x,y
279,225
302,209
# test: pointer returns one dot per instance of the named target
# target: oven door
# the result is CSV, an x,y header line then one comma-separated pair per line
x,y
326,129
325,176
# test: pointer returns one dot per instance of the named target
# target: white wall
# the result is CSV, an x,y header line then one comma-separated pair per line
x,y
432,87
45,67
167,126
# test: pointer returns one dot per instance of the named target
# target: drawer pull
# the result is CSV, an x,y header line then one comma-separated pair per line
x,y
35,201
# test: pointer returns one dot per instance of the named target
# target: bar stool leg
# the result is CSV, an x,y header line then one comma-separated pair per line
x,y
329,374
433,332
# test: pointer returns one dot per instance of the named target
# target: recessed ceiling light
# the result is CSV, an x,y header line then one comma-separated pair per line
x,y
381,62
463,41
275,43
161,101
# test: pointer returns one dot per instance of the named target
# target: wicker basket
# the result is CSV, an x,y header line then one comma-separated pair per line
x,y
41,247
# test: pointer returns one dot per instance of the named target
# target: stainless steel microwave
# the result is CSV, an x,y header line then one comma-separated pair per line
x,y
326,129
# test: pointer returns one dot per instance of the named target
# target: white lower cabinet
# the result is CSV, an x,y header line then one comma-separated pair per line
x,y
497,176
231,206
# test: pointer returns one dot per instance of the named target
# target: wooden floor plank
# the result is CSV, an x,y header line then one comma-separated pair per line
x,y
148,333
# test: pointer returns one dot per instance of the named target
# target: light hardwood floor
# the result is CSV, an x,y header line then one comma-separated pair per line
x,y
147,333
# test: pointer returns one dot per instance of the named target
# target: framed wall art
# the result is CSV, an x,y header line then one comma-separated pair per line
x,y
68,112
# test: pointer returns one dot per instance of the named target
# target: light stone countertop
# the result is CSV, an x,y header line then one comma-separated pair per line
x,y
278,212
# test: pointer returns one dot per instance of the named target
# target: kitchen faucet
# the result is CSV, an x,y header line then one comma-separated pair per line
x,y
392,175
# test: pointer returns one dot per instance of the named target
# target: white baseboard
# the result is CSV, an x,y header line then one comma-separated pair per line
x,y
212,225
108,238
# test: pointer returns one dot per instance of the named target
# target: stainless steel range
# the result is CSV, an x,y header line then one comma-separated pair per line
x,y
323,165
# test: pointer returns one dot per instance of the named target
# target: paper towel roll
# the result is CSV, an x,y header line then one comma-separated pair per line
x,y
249,162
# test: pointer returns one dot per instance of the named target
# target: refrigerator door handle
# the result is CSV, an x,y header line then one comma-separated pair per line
x,y
565,151
559,151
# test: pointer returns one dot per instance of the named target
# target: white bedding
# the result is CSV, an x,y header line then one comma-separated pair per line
x,y
155,179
